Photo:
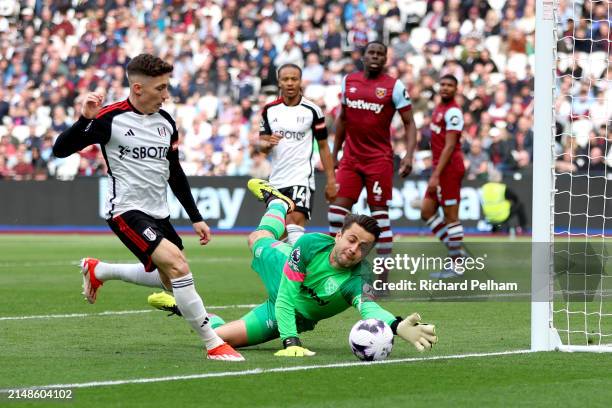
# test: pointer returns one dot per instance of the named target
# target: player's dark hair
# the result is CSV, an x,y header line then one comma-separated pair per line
x,y
374,42
364,221
148,65
450,78
288,65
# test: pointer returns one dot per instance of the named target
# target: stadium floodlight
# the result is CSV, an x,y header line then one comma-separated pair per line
x,y
571,306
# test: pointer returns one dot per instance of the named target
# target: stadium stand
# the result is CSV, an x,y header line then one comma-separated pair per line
x,y
225,54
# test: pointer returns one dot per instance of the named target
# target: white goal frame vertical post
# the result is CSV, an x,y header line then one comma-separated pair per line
x,y
543,335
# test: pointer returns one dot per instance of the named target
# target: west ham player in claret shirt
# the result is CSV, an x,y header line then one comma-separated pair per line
x,y
139,141
369,102
444,186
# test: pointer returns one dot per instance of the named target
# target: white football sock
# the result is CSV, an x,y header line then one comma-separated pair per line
x,y
191,306
455,239
132,273
279,201
294,232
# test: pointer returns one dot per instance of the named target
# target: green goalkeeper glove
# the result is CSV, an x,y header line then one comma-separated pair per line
x,y
293,348
421,335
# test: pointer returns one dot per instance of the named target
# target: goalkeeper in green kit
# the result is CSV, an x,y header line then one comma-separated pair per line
x,y
317,278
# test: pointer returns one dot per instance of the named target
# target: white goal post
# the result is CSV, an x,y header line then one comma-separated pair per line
x,y
566,315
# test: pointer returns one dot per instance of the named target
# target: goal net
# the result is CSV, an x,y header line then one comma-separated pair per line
x,y
571,277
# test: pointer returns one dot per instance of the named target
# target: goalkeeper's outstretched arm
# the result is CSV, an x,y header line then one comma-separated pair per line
x,y
420,335
285,312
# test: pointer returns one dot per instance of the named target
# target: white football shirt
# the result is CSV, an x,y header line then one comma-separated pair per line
x,y
300,126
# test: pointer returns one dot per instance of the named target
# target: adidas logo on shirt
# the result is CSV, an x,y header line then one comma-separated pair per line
x,y
130,133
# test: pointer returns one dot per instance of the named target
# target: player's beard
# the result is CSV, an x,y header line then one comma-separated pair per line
x,y
343,264
337,259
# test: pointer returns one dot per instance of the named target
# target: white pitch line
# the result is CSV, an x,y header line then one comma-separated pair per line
x,y
72,262
263,371
112,313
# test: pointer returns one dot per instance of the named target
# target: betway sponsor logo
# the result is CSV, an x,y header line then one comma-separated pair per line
x,y
361,104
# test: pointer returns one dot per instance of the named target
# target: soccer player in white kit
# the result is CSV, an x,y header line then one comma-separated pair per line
x,y
139,141
289,127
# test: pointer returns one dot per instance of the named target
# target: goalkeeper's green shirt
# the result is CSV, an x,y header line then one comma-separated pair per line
x,y
313,288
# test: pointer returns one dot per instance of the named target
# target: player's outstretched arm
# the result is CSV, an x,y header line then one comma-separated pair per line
x,y
294,273
328,165
410,140
339,136
285,314
85,131
180,187
420,335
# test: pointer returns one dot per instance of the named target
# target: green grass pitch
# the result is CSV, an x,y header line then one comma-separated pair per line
x,y
38,276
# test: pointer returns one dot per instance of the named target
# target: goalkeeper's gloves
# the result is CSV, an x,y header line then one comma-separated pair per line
x,y
293,348
421,335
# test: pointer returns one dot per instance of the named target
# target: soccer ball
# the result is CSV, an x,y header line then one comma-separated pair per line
x,y
371,340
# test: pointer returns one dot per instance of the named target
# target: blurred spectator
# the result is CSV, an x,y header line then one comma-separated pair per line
x,y
453,36
523,138
433,19
336,61
4,105
290,54
564,162
476,162
500,151
22,169
8,144
402,46
39,164
473,25
453,68
596,162
5,172
582,102
522,159
352,9
260,166
332,38
500,107
313,71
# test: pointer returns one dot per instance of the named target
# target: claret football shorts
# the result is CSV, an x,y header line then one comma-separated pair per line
x,y
375,176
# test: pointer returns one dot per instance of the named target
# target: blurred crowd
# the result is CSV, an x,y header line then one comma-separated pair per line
x,y
225,54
